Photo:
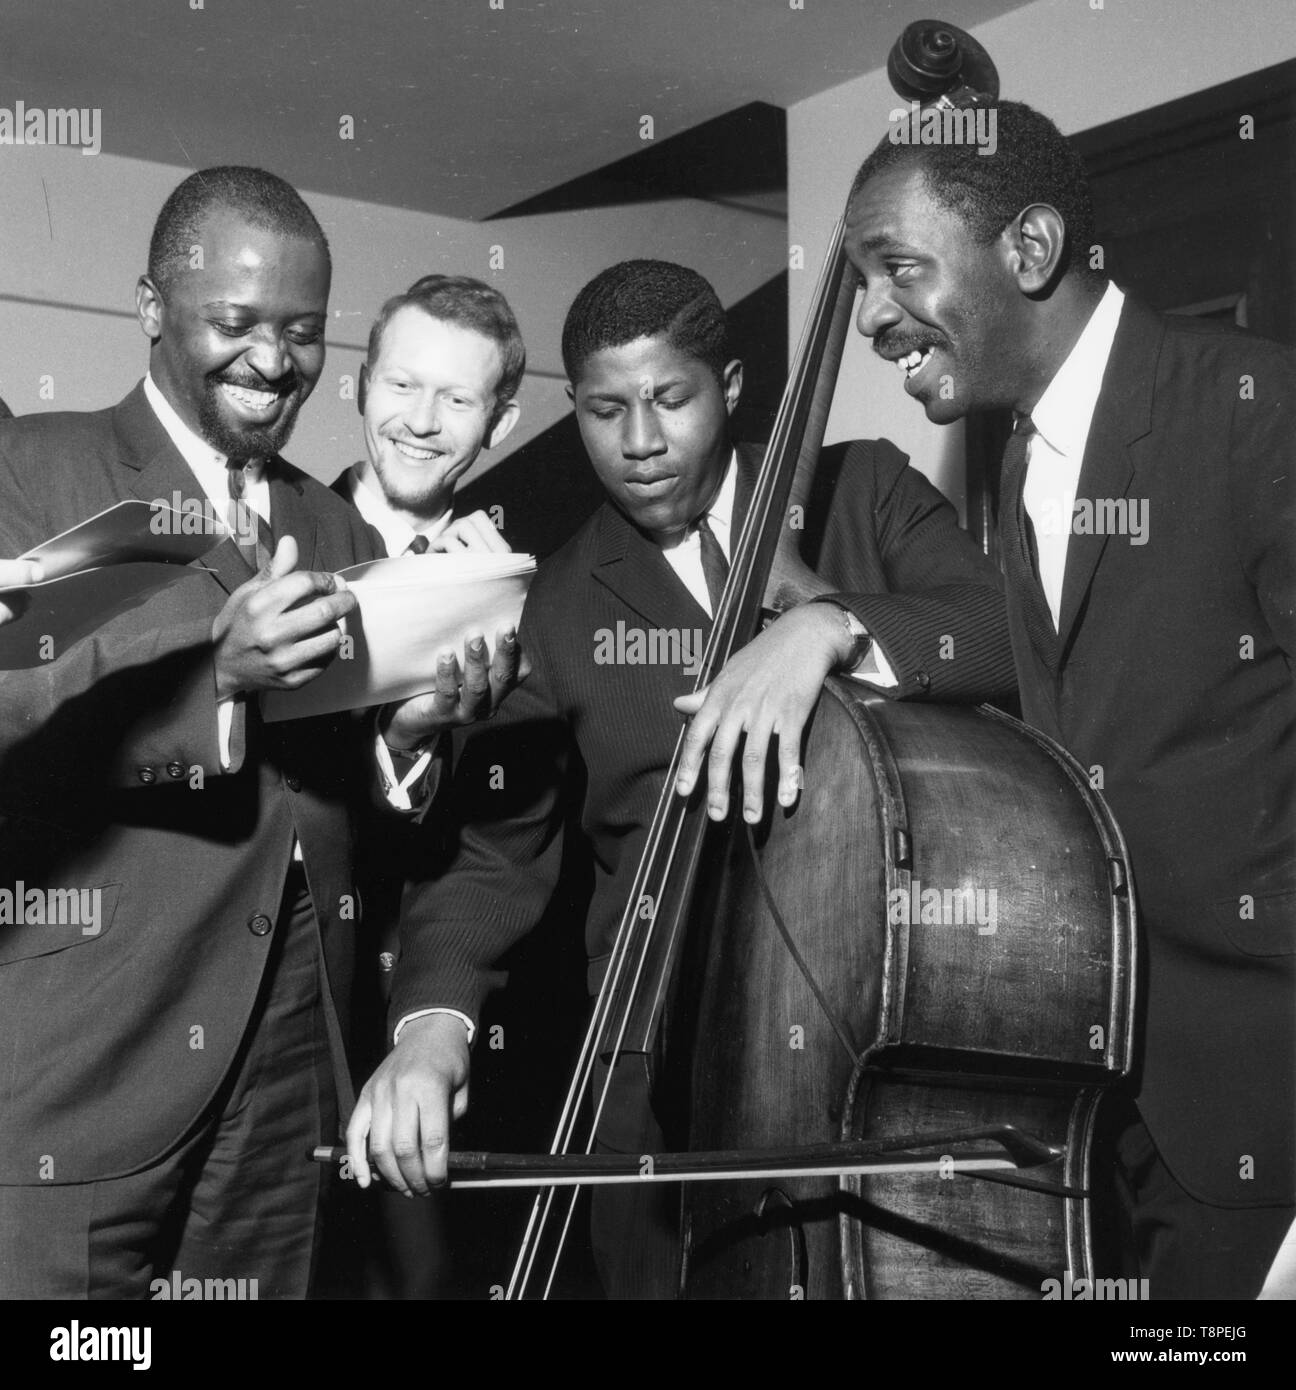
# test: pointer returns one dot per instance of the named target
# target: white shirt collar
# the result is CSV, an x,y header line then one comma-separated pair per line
x,y
1064,412
719,514
396,532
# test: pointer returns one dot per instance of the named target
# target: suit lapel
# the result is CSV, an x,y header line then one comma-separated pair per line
x,y
635,570
155,469
1122,416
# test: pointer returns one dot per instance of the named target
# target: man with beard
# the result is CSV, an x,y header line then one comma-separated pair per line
x,y
444,362
654,383
1147,520
167,1069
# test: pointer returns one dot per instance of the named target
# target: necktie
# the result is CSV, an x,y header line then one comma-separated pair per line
x,y
258,552
418,546
715,568
1017,542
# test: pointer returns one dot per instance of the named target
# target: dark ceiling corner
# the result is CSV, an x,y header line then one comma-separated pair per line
x,y
740,153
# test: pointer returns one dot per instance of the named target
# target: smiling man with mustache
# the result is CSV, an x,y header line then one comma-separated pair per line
x,y
1160,658
165,1078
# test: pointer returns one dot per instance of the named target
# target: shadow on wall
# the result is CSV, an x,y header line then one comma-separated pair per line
x,y
547,489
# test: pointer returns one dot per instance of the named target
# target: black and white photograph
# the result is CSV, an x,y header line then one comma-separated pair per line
x,y
646,655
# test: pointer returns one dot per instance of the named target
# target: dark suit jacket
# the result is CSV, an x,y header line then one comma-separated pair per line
x,y
111,1045
341,486
600,736
1172,678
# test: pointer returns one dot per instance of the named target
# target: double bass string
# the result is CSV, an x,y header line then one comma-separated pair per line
x,y
658,861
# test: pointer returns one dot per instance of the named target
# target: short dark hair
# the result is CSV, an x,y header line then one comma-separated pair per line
x,y
645,299
1033,162
263,199
471,304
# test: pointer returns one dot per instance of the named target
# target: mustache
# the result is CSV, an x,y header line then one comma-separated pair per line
x,y
285,385
893,344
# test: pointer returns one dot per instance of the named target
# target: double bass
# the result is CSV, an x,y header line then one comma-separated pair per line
x,y
884,1094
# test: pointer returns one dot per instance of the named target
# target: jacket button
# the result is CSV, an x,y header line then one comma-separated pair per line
x,y
386,961
146,775
174,770
923,680
294,783
259,925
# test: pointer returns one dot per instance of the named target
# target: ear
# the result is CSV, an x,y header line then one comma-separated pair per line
x,y
503,426
149,307
731,381
571,392
1036,239
362,391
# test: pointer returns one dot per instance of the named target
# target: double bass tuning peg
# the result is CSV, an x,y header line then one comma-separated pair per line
x,y
934,62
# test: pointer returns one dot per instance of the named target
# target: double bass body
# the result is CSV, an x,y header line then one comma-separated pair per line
x,y
955,952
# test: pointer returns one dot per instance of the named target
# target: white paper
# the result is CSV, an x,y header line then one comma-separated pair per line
x,y
409,610
125,533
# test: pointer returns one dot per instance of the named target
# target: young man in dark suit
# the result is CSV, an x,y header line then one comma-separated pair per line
x,y
443,366
654,383
166,1073
1147,527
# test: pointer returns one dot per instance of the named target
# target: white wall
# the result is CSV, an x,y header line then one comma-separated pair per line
x,y
1079,65
74,233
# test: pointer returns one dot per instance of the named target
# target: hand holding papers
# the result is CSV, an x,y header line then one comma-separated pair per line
x,y
14,574
94,571
409,611
280,629
128,532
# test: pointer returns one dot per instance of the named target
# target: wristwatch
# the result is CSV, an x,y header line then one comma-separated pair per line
x,y
861,641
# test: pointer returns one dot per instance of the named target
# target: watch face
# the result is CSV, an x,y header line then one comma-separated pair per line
x,y
860,636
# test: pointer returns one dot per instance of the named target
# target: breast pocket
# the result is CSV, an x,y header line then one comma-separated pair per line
x,y
36,921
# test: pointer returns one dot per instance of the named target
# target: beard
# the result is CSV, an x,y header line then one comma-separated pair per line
x,y
243,442
421,496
